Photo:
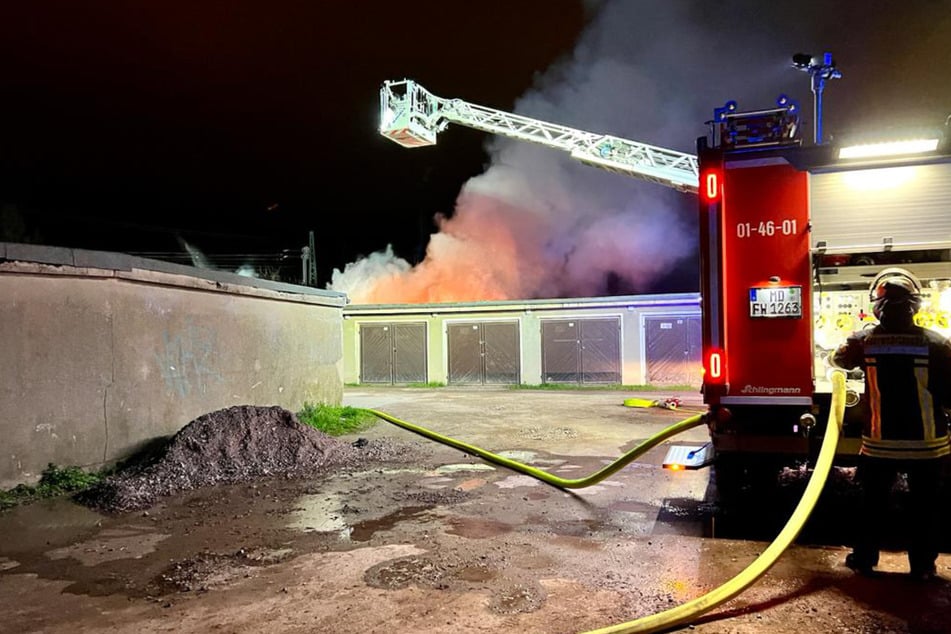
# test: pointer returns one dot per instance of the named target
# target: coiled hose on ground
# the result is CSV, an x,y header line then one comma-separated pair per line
x,y
686,612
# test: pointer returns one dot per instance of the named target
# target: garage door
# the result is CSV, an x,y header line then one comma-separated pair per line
x,y
581,350
673,350
393,353
483,353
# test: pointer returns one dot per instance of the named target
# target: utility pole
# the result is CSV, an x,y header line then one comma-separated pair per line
x,y
308,261
305,265
312,270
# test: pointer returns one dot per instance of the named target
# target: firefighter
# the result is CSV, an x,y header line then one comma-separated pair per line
x,y
908,386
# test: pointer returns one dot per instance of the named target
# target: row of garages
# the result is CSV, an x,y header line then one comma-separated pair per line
x,y
629,340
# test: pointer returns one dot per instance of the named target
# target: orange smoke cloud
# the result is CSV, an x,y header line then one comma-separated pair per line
x,y
507,242
488,250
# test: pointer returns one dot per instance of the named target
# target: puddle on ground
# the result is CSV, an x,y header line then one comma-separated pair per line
x,y
403,572
538,495
525,457
633,506
549,462
321,513
363,531
600,487
578,528
683,510
110,545
456,468
398,470
52,522
475,528
518,481
324,513
476,574
437,480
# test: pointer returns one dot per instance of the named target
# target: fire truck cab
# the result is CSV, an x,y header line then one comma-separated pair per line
x,y
791,235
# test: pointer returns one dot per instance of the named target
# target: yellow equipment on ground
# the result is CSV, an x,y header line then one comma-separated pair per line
x,y
667,403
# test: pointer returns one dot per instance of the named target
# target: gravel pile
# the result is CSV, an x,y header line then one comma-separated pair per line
x,y
229,446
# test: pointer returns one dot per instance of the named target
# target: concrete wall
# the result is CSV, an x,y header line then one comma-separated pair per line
x,y
101,352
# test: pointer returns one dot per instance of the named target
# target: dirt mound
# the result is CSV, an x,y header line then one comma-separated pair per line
x,y
228,446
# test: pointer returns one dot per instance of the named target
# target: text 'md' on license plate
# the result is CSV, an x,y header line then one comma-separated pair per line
x,y
776,301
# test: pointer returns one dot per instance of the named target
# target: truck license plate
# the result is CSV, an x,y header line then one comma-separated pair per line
x,y
776,301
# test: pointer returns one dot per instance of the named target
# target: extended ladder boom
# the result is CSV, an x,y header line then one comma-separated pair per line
x,y
412,116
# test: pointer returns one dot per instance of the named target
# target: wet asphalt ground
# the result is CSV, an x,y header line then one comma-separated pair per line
x,y
445,542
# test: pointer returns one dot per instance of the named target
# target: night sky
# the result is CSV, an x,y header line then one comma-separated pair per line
x,y
237,127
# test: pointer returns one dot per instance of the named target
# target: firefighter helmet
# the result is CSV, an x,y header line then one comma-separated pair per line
x,y
895,287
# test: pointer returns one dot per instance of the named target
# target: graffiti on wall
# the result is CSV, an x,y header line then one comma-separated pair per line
x,y
187,359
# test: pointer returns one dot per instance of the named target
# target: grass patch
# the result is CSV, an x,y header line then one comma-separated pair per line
x,y
429,384
336,420
609,387
559,386
54,481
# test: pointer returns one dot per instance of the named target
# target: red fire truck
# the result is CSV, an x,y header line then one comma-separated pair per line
x,y
791,235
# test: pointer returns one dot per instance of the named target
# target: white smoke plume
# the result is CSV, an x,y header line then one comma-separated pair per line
x,y
201,261
197,257
536,224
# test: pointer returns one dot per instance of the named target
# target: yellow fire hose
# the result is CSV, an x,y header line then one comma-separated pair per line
x,y
690,610
686,612
544,476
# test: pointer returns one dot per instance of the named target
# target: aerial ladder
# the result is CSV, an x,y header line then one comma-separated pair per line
x,y
412,116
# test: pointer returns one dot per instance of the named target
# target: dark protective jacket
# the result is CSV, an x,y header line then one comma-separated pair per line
x,y
908,388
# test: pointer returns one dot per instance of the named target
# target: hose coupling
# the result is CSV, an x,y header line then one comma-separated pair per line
x,y
851,398
806,423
